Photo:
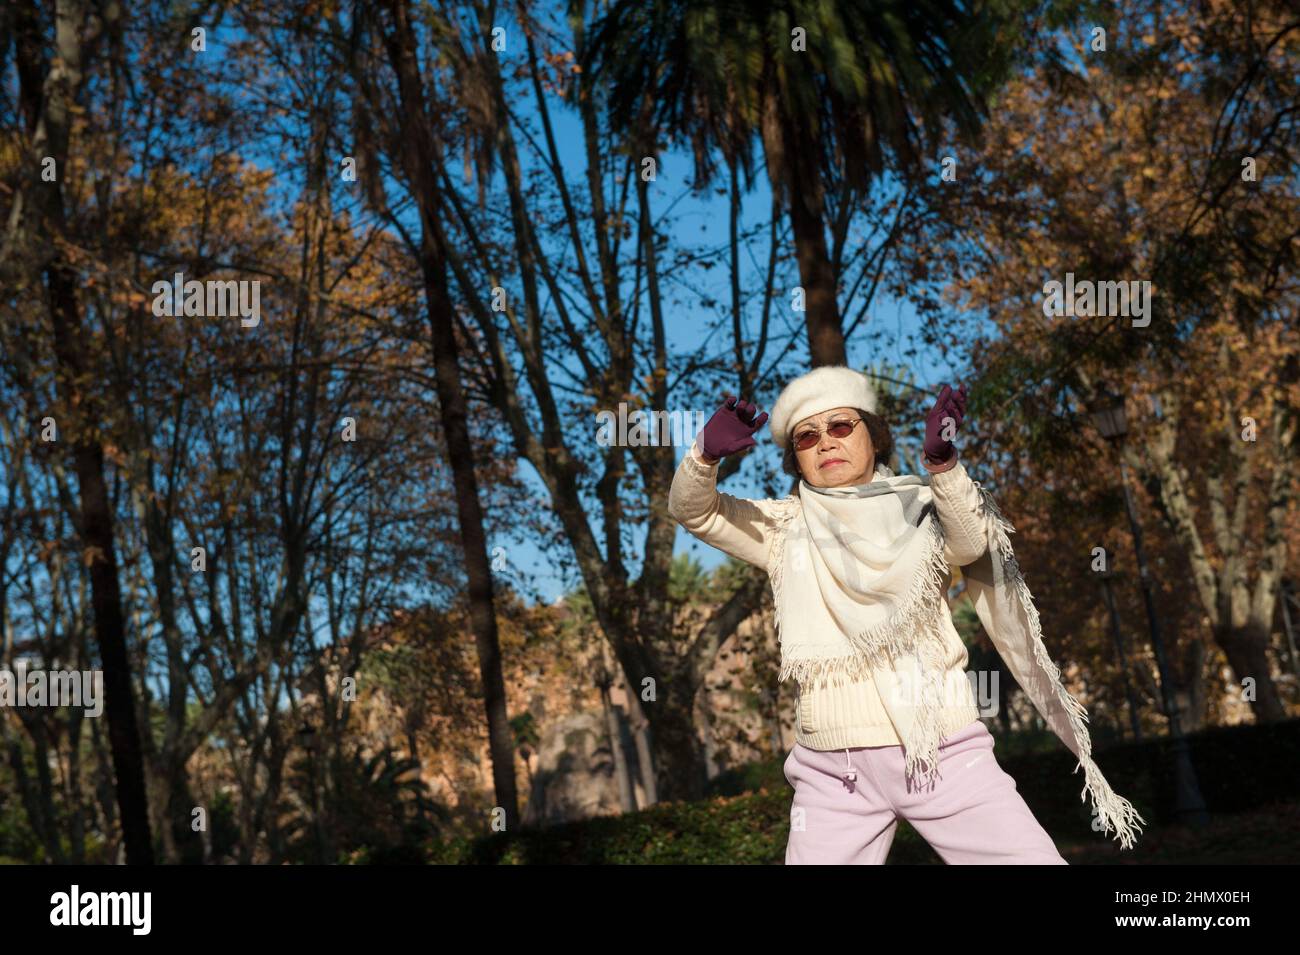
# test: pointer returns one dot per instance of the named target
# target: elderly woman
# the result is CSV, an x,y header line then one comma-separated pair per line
x,y
859,560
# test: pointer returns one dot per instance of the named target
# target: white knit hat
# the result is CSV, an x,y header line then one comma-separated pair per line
x,y
824,388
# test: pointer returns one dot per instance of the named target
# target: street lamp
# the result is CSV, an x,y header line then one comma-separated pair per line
x,y
1106,576
1189,806
1110,419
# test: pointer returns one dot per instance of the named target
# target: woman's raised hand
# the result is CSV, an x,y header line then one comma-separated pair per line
x,y
731,428
938,437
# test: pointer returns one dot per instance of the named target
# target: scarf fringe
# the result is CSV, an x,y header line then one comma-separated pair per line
x,y
913,628
921,752
776,559
882,644
1114,812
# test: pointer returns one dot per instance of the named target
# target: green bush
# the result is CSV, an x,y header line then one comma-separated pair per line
x,y
746,820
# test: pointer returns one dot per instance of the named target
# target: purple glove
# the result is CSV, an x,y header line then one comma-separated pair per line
x,y
731,428
951,404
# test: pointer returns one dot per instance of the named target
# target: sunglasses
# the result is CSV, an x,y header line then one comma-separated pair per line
x,y
837,429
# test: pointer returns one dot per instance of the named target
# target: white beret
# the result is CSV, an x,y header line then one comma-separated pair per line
x,y
824,388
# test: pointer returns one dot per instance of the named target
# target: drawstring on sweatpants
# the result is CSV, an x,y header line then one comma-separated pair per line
x,y
850,774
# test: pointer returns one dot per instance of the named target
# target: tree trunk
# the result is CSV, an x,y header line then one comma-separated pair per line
x,y
807,222
1247,651
622,777
640,727
1239,619
473,539
48,108
680,757
420,159
1194,716
96,526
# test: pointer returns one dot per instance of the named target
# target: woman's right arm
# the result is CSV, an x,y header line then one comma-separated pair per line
x,y
737,526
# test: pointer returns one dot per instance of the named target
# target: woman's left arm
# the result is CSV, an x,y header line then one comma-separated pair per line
x,y
956,497
957,501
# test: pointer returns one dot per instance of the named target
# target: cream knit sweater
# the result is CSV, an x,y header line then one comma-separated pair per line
x,y
851,714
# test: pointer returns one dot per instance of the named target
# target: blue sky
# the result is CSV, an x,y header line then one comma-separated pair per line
x,y
700,220
703,220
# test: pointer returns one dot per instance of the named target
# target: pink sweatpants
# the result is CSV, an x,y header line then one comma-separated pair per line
x,y
847,804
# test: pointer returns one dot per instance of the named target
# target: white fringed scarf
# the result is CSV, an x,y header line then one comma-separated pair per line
x,y
857,582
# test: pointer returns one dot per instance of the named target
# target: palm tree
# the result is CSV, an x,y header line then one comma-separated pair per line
x,y
871,78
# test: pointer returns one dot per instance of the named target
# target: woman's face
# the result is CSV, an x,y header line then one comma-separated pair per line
x,y
835,462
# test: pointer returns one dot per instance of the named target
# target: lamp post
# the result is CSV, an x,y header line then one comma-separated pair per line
x,y
1106,576
1189,805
